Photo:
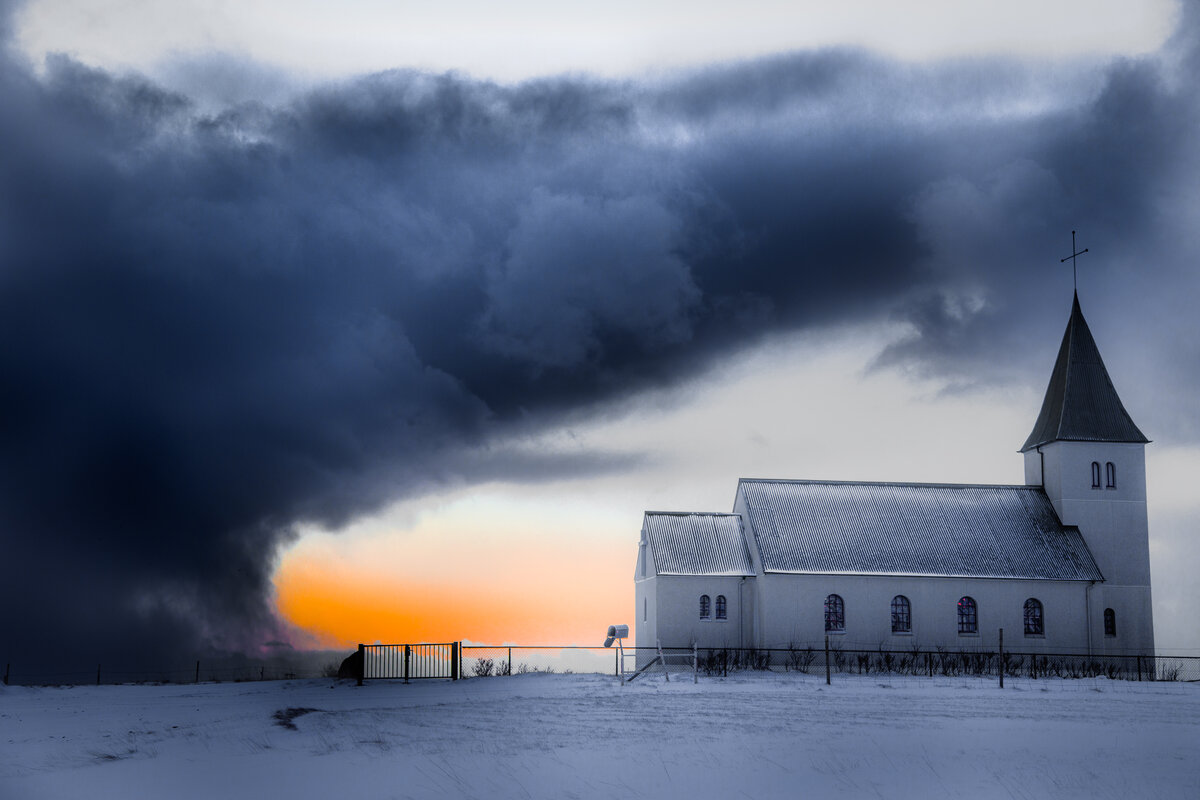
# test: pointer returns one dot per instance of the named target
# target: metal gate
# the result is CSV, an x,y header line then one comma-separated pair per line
x,y
410,661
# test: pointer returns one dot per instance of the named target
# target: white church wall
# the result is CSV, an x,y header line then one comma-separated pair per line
x,y
792,612
678,620
1114,523
1131,606
645,609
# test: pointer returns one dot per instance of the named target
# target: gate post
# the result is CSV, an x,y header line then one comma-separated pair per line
x,y
407,652
362,663
1002,658
1139,663
827,653
454,656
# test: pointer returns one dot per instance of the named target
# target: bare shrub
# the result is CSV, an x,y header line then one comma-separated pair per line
x,y
799,660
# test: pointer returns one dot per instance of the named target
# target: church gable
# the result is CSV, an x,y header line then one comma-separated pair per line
x,y
697,544
830,527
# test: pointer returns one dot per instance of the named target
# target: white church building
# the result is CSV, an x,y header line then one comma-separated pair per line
x,y
1061,563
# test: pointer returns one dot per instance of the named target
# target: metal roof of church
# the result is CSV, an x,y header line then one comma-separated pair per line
x,y
1081,403
913,529
697,543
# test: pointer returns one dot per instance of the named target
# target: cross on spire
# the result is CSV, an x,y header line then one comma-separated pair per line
x,y
1074,254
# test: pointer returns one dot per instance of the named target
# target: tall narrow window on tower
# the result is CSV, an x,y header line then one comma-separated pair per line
x,y
1095,474
1110,475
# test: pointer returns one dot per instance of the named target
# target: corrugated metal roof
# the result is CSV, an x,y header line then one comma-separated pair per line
x,y
1081,403
697,544
913,529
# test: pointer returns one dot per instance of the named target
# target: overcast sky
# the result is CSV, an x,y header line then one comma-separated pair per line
x,y
327,328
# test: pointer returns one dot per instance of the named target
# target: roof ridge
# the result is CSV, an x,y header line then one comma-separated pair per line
x,y
935,485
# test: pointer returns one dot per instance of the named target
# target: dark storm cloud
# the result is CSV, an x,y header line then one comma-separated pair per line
x,y
220,323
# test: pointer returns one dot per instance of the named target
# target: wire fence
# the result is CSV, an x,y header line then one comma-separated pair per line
x,y
469,661
480,661
317,665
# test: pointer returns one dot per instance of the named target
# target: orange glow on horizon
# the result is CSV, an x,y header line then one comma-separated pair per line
x,y
499,583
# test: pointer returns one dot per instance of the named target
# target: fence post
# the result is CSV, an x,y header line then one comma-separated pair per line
x,y
929,663
6,668
509,662
454,656
616,661
197,672
1002,658
827,683
1139,665
695,664
362,663
407,653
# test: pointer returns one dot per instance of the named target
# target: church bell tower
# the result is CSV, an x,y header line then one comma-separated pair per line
x,y
1089,457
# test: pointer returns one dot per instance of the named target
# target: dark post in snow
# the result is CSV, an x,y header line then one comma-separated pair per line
x,y
362,664
827,659
509,662
1002,658
407,654
456,660
6,668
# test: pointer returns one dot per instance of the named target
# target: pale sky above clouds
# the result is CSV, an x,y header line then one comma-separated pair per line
x,y
528,38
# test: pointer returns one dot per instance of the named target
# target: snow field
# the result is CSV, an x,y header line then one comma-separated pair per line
x,y
555,736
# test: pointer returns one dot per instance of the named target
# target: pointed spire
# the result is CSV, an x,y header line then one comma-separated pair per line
x,y
1081,404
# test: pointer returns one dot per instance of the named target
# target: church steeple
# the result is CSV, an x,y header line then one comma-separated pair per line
x,y
1081,404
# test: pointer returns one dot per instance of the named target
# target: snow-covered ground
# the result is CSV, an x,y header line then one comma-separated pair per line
x,y
563,736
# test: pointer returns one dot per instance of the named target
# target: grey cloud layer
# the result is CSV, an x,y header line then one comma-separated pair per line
x,y
217,325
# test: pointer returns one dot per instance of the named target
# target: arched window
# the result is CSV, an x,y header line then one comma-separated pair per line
x,y
901,614
721,606
1095,474
1110,622
705,607
835,614
1034,623
1110,475
968,615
